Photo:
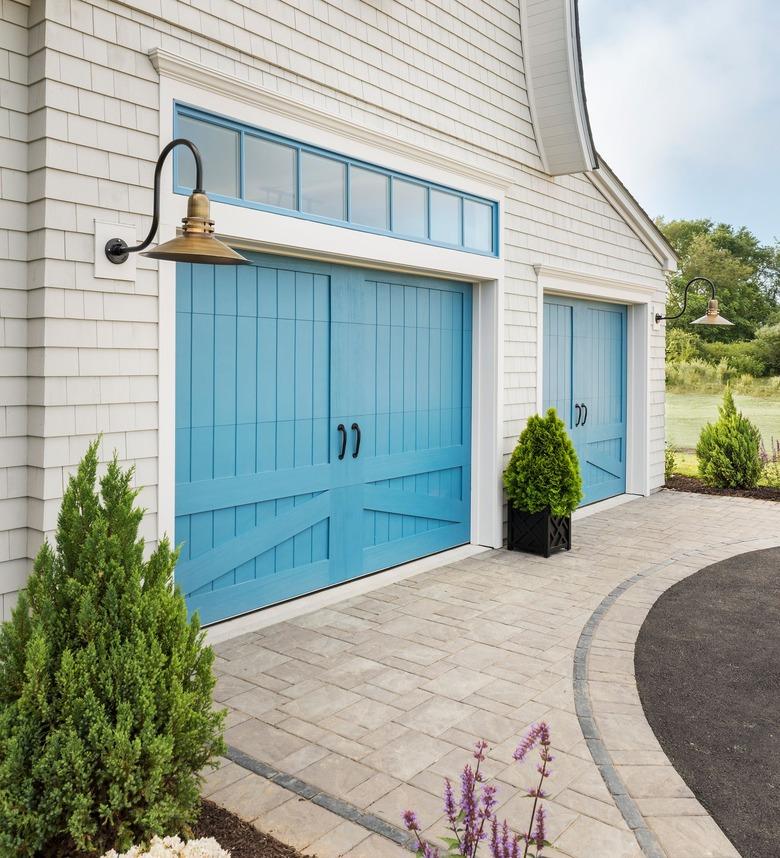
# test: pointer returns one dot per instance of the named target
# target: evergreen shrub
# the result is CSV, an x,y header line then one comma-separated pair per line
x,y
670,462
105,686
728,450
544,472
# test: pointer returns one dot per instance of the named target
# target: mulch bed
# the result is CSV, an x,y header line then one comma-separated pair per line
x,y
706,663
693,484
240,838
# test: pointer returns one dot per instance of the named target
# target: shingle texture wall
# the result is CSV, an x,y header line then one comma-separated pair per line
x,y
81,133
14,65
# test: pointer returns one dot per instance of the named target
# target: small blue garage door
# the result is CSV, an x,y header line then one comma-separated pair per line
x,y
584,366
323,427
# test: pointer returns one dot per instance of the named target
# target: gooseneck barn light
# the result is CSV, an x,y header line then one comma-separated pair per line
x,y
197,243
711,317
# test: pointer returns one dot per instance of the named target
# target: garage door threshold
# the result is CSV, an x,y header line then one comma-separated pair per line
x,y
220,632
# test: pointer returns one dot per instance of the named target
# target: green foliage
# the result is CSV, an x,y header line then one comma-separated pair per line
x,y
105,687
697,374
544,471
745,272
670,462
682,345
728,450
767,347
743,358
770,464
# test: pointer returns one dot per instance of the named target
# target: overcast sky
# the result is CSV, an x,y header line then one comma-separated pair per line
x,y
684,101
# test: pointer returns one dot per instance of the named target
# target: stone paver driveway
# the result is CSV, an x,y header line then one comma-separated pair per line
x,y
372,702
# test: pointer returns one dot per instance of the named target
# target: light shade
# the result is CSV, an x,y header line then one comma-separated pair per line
x,y
197,242
712,316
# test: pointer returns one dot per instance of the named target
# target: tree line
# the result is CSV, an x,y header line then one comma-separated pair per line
x,y
747,276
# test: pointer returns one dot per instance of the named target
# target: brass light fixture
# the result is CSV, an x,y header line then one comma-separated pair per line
x,y
197,244
711,317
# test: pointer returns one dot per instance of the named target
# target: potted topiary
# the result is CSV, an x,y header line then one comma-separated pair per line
x,y
543,487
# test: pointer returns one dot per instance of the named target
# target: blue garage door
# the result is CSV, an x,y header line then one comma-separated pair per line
x,y
584,366
323,427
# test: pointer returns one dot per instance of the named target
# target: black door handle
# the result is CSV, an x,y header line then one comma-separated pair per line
x,y
579,413
343,430
585,418
356,429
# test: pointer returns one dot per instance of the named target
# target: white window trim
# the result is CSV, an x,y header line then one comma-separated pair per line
x,y
638,298
275,233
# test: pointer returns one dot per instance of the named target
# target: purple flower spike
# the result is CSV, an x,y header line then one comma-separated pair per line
x,y
488,802
495,845
472,814
479,750
468,804
410,820
538,734
449,802
539,835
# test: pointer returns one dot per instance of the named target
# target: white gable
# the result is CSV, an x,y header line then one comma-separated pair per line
x,y
553,70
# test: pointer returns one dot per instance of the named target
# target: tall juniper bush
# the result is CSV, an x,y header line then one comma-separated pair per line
x,y
729,449
105,686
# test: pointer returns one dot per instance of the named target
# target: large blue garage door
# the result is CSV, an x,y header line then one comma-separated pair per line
x,y
323,427
584,367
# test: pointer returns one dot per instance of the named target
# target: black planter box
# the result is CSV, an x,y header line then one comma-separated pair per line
x,y
538,532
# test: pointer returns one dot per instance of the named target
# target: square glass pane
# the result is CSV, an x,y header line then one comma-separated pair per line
x,y
445,217
368,198
323,184
269,173
477,225
409,204
219,149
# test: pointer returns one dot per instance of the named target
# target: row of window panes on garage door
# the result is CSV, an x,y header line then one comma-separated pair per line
x,y
278,174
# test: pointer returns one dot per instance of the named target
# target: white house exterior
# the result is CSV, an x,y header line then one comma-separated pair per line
x,y
469,116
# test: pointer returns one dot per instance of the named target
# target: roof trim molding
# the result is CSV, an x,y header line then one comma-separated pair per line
x,y
552,57
578,84
566,281
616,194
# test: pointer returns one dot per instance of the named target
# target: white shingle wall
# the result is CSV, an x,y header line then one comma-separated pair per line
x,y
446,75
13,302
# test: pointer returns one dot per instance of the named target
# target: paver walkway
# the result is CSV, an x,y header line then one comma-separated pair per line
x,y
374,700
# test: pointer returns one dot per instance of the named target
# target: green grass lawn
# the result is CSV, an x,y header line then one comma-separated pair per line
x,y
687,464
686,413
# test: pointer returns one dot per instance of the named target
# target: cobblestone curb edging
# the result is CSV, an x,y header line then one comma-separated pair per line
x,y
337,806
601,756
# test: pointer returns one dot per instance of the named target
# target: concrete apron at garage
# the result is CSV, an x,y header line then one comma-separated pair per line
x,y
349,715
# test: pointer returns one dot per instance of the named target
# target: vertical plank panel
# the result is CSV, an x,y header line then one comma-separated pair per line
x,y
225,380
304,397
246,400
202,410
